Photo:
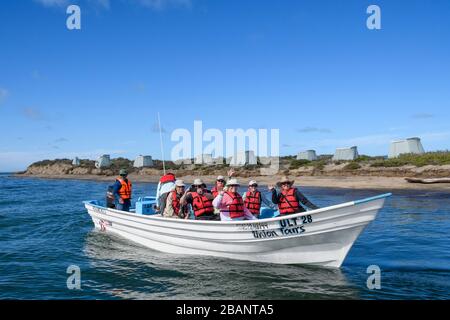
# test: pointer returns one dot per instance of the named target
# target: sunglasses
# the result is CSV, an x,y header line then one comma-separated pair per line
x,y
254,186
223,181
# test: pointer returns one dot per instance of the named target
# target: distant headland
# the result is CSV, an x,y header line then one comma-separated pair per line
x,y
324,171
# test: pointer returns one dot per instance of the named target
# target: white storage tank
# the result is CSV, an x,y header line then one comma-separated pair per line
x,y
206,159
242,158
307,155
410,145
346,154
103,162
143,161
76,161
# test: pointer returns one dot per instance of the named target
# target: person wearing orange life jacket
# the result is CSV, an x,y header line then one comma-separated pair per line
x,y
289,200
200,199
231,204
173,207
254,199
122,190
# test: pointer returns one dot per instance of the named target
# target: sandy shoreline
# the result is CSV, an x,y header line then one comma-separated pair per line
x,y
350,182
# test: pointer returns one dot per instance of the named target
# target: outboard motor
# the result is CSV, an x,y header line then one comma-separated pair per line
x,y
110,202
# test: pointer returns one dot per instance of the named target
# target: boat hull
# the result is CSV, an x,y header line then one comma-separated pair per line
x,y
320,237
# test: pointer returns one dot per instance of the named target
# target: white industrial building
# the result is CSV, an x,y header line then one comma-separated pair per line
x,y
103,162
410,145
346,154
143,161
243,158
307,155
76,161
206,159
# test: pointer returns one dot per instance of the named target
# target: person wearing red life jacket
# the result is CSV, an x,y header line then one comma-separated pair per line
x,y
220,184
231,204
289,199
200,200
173,207
122,189
254,199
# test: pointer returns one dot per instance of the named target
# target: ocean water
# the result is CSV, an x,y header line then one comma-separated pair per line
x,y
44,228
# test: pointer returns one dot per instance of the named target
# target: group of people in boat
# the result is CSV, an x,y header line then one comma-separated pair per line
x,y
223,202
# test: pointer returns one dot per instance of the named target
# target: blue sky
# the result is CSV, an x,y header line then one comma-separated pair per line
x,y
310,68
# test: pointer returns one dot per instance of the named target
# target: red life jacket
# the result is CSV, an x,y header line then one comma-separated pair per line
x,y
236,208
214,192
125,190
201,204
253,202
288,203
176,203
170,177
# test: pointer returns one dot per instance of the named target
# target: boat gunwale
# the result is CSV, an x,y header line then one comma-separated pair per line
x,y
240,222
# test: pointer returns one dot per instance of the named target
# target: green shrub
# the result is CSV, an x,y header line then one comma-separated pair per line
x,y
295,164
352,166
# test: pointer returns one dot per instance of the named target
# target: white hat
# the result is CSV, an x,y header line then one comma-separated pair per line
x,y
232,182
179,183
220,178
252,182
198,182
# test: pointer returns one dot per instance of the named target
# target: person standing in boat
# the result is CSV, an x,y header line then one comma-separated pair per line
x,y
231,204
122,191
201,200
173,207
289,200
253,199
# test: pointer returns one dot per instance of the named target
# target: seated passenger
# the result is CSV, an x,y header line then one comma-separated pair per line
x,y
201,201
253,199
230,203
289,198
173,207
165,185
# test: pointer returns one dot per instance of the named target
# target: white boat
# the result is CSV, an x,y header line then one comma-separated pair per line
x,y
319,237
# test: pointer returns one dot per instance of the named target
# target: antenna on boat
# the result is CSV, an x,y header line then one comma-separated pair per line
x,y
162,148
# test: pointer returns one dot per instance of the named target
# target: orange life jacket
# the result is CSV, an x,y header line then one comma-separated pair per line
x,y
201,204
253,202
288,202
176,202
125,190
236,208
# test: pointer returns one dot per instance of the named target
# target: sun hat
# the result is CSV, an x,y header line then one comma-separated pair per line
x,y
123,172
179,183
199,182
220,178
252,182
285,179
232,182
